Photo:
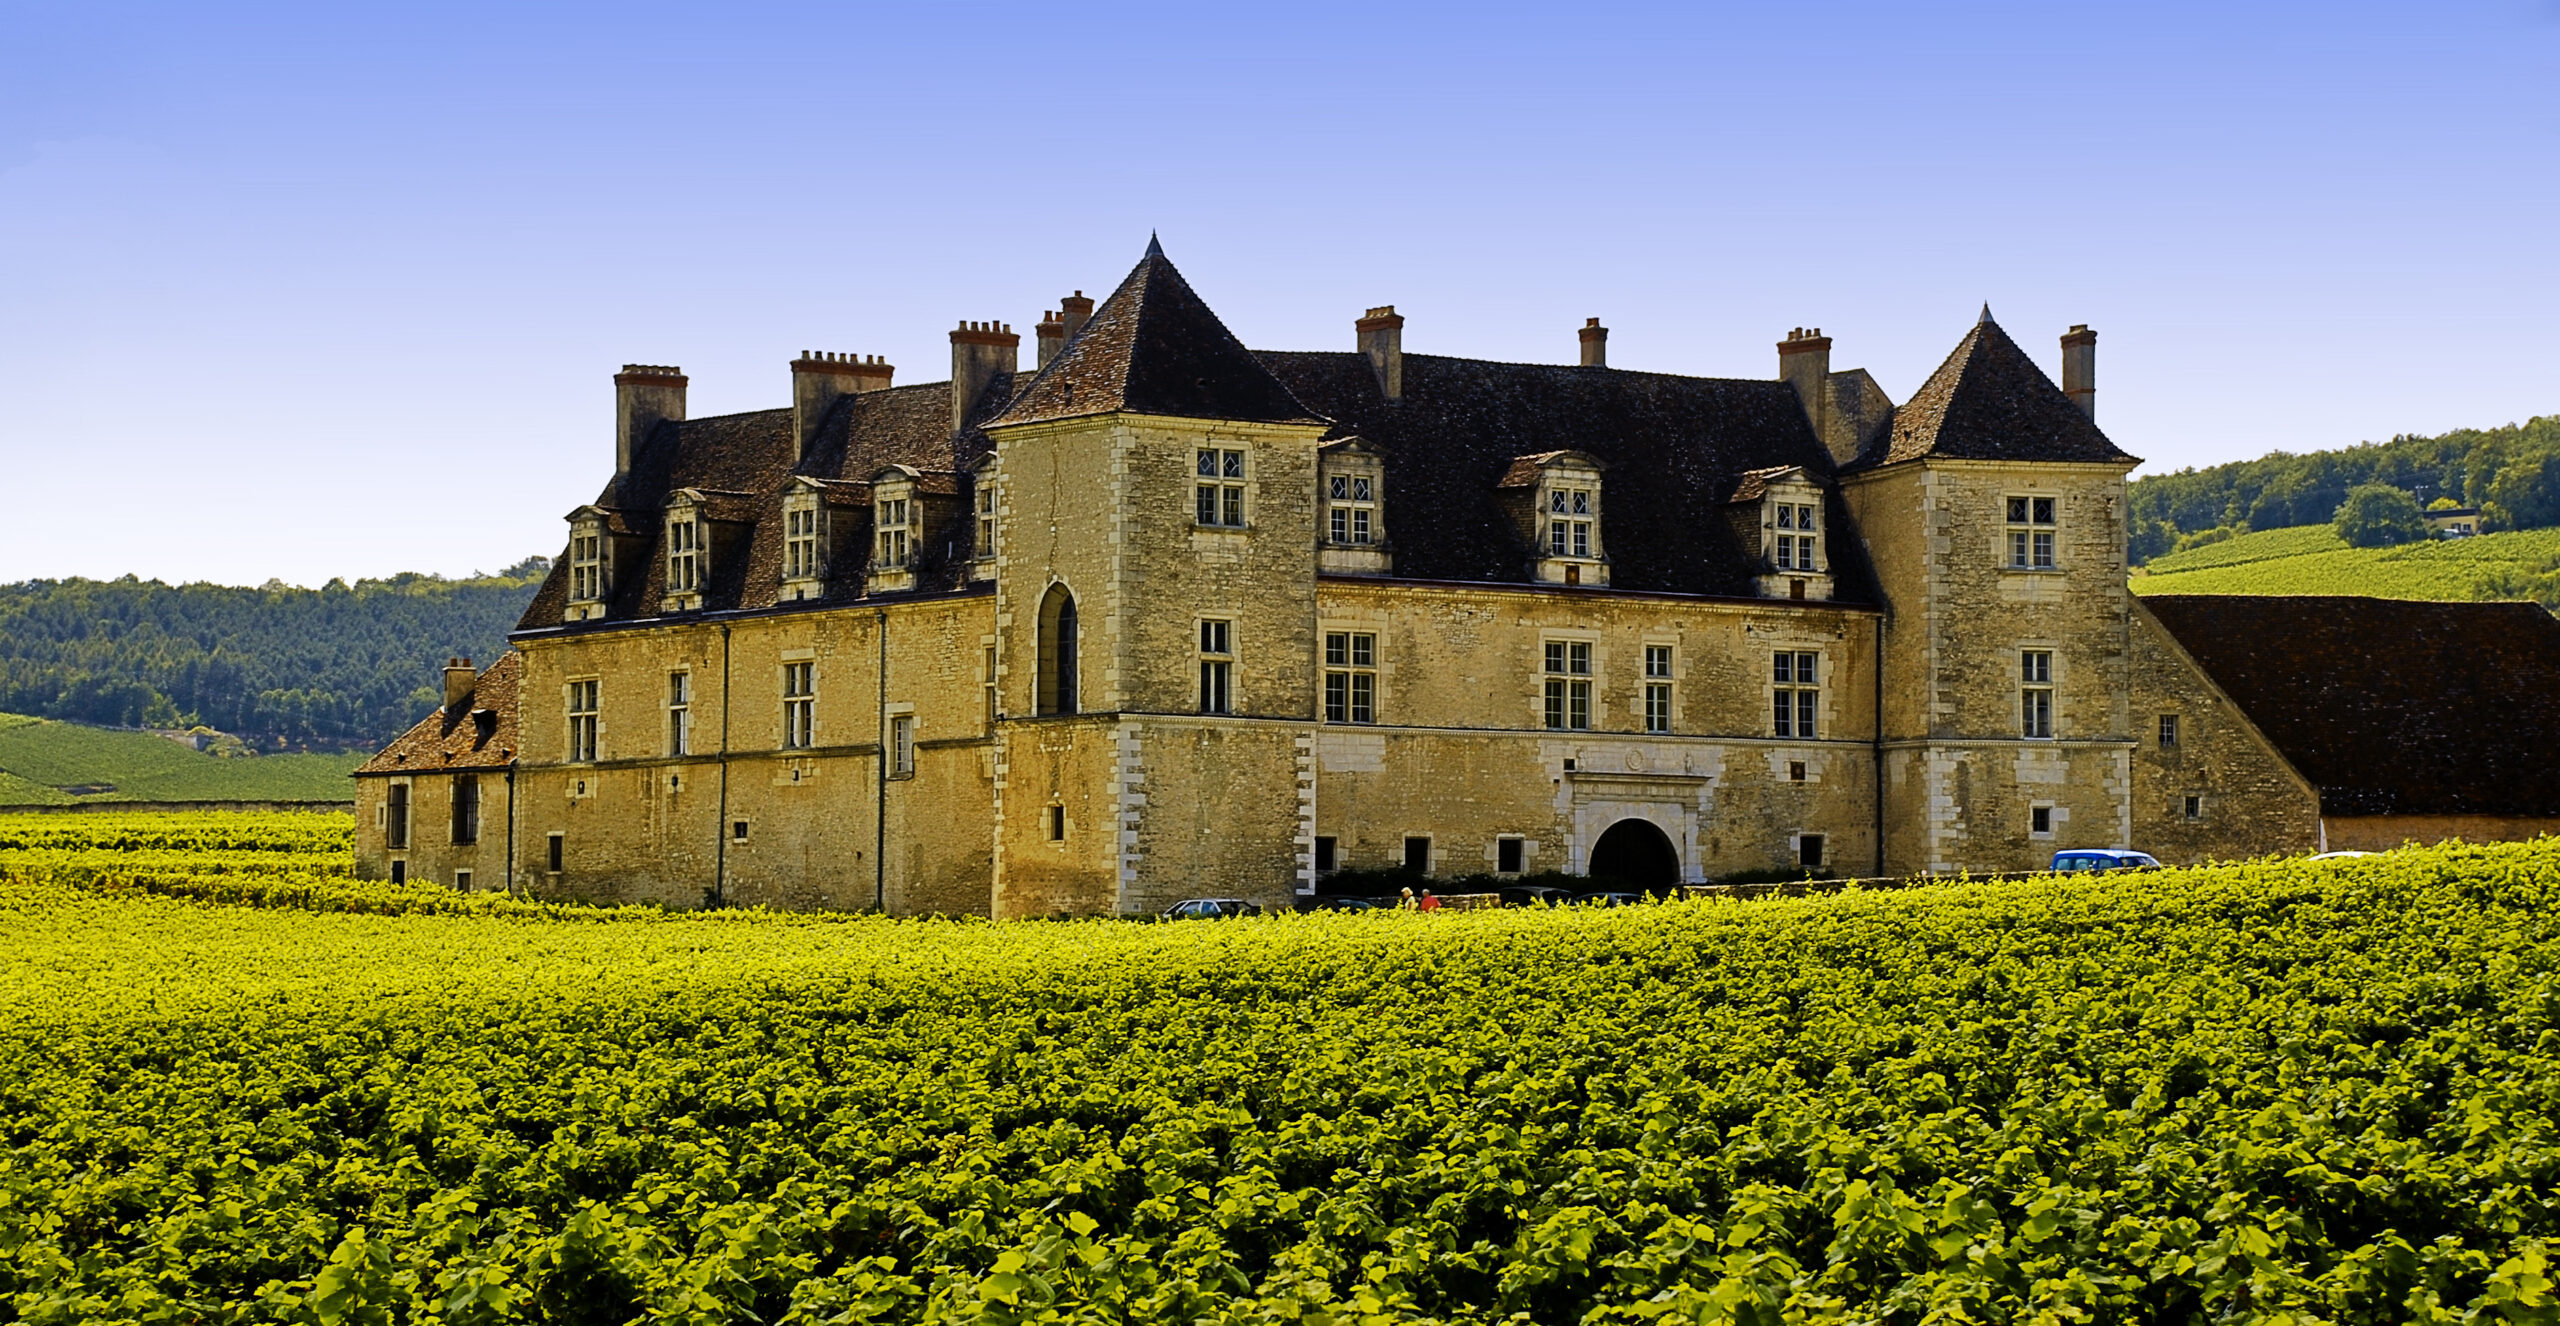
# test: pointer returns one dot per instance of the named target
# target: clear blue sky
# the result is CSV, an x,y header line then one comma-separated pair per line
x,y
339,290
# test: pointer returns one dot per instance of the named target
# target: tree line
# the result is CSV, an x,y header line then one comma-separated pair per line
x,y
2512,474
338,667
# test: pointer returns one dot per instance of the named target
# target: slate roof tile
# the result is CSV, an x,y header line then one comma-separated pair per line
x,y
1989,401
451,739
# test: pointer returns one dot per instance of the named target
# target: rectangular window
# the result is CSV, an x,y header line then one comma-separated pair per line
x,y
1568,698
554,853
395,819
2035,698
2195,808
399,872
582,720
1057,824
1350,677
1795,771
1569,523
586,567
799,705
2031,533
1220,492
1809,850
988,680
800,543
902,746
1217,666
1324,853
2040,821
462,881
1417,855
986,518
737,831
897,541
466,809
1797,694
2168,730
1507,855
684,556
1349,506
679,713
1657,688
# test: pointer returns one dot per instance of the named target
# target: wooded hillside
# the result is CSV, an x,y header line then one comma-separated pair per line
x,y
339,667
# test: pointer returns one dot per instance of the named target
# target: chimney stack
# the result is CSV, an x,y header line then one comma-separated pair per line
x,y
644,396
1075,309
1051,336
979,351
1804,363
1595,344
2080,368
818,381
1382,339
458,679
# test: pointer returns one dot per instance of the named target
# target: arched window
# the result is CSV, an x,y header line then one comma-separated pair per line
x,y
1057,682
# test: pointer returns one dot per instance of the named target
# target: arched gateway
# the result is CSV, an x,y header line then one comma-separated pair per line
x,y
1637,852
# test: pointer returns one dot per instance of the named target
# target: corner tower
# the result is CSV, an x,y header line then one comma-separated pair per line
x,y
1994,513
1155,616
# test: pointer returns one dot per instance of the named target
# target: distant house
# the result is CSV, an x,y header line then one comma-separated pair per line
x,y
2412,721
2453,522
437,805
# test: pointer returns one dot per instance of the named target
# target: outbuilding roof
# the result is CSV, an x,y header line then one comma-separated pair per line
x,y
454,738
2390,707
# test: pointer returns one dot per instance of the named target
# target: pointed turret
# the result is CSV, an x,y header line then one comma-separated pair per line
x,y
1154,347
1989,401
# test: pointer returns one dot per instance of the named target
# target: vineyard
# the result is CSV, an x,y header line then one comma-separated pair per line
x,y
2275,1091
2313,560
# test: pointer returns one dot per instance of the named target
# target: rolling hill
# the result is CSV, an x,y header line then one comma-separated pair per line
x,y
2311,559
49,763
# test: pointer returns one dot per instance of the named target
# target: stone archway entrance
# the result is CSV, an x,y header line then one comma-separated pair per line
x,y
1638,853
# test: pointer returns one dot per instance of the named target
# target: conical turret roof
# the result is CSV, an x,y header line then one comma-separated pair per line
x,y
1155,348
1989,401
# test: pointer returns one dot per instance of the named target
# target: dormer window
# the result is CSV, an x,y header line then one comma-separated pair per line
x,y
687,560
897,538
1556,497
1351,515
1781,510
804,542
1796,547
986,544
588,550
897,530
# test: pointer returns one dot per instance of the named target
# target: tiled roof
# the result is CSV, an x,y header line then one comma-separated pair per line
x,y
1154,347
1675,447
1755,483
1527,471
1989,401
451,738
2390,707
750,454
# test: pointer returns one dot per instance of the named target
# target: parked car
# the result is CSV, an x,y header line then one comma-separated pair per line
x,y
1529,895
1602,898
1196,909
1322,903
2104,858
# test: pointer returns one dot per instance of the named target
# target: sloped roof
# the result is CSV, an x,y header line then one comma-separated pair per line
x,y
1674,448
1989,401
450,740
1154,347
2390,707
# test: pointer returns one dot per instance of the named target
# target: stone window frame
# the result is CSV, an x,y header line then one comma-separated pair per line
x,y
1790,550
2169,737
462,812
2038,679
582,700
1351,489
2052,822
1661,703
1569,516
680,698
1222,479
894,534
1216,637
397,815
799,685
1345,670
2191,807
687,554
1519,844
1788,724
2026,516
902,741
986,508
1562,685
804,541
590,564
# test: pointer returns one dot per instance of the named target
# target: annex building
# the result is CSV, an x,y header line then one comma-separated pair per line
x,y
1161,616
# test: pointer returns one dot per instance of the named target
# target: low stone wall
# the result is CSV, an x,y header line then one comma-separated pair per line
x,y
137,807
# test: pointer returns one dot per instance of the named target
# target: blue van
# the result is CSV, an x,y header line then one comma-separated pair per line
x,y
2104,858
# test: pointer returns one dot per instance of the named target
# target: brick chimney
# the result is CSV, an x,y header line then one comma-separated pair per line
x,y
2080,368
979,351
644,396
1050,336
1382,339
458,679
818,381
1075,309
1595,344
1804,363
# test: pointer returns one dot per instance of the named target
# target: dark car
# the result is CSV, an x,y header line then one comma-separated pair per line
x,y
1530,895
2084,859
1197,909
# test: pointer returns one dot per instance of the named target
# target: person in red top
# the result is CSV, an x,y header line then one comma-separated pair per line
x,y
1428,903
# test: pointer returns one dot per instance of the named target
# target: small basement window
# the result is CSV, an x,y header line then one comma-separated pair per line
x,y
1507,855
737,831
554,845
1417,855
1324,853
1809,851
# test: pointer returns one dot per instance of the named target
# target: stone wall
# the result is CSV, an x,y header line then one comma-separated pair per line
x,y
432,856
